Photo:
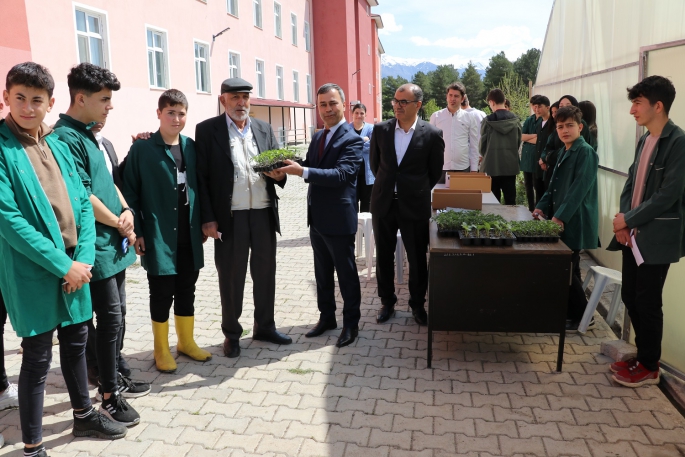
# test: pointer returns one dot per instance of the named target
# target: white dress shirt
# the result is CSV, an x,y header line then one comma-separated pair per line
x,y
108,161
305,170
249,187
461,132
402,140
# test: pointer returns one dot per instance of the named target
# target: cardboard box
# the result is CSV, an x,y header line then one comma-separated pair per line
x,y
470,181
467,199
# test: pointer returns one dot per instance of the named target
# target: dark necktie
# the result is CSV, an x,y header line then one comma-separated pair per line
x,y
322,145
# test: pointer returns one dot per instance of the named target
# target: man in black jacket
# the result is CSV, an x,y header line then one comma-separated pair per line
x,y
407,157
240,211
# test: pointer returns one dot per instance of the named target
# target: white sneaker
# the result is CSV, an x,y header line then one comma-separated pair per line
x,y
9,398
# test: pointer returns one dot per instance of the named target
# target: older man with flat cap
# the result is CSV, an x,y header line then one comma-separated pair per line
x,y
239,209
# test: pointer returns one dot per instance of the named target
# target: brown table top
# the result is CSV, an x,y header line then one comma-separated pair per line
x,y
439,244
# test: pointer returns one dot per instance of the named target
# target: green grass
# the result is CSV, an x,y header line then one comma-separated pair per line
x,y
245,332
299,371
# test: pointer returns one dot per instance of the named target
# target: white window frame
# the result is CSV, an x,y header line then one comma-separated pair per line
x,y
296,86
307,37
293,28
280,89
103,32
165,50
238,67
309,89
234,4
370,89
208,89
261,82
257,5
278,20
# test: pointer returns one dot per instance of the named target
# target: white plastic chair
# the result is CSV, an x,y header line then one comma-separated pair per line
x,y
399,259
365,229
603,277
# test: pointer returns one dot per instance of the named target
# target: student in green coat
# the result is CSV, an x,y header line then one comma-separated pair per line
x,y
529,164
160,184
47,238
571,201
90,89
653,211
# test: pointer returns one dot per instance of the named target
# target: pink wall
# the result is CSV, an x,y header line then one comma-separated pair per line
x,y
14,36
184,22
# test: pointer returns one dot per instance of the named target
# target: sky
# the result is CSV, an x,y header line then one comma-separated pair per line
x,y
456,31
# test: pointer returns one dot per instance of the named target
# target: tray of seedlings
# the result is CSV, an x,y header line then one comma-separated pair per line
x,y
475,228
536,231
273,159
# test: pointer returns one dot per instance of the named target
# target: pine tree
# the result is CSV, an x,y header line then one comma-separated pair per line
x,y
527,65
441,77
474,86
498,67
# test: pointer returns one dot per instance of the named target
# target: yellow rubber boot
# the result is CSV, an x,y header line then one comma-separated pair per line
x,y
185,326
163,359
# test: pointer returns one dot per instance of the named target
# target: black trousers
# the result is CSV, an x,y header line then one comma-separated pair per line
x,y
91,347
577,301
35,363
4,383
107,296
253,230
178,289
535,189
642,294
336,253
504,185
415,239
363,191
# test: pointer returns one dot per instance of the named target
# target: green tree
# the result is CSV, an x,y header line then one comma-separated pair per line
x,y
527,65
474,86
422,80
517,92
429,108
440,78
390,85
498,67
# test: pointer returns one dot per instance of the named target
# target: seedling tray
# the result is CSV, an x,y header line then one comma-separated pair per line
x,y
274,166
536,239
477,241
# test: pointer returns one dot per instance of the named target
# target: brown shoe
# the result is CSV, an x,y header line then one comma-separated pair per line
x,y
231,348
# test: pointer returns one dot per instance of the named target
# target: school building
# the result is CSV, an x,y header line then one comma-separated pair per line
x,y
594,50
282,47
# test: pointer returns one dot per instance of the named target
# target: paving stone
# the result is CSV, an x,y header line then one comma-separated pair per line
x,y
402,424
659,436
394,439
359,436
474,444
444,442
525,446
550,429
556,448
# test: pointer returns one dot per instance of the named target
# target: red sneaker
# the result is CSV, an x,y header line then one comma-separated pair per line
x,y
636,376
620,366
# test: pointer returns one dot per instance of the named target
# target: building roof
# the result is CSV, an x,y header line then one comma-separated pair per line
x,y
280,103
378,19
381,49
372,2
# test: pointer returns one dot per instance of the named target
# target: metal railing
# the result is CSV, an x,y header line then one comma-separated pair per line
x,y
294,137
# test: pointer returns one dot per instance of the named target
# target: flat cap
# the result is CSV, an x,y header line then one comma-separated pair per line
x,y
235,85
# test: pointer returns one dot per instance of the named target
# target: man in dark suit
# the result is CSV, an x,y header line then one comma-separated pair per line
x,y
331,167
407,157
239,209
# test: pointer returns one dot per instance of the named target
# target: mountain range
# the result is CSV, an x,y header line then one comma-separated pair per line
x,y
407,68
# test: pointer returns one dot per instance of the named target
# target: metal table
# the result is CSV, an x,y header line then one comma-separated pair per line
x,y
520,288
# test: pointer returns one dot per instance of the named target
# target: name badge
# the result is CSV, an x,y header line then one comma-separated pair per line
x,y
180,177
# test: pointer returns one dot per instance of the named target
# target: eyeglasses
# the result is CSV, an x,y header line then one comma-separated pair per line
x,y
402,103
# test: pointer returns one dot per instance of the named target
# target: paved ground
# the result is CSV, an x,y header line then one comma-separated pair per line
x,y
487,395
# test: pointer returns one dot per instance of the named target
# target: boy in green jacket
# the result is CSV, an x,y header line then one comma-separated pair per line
x,y
90,89
571,201
160,184
47,238
653,211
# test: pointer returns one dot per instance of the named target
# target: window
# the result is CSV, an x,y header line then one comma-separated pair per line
x,y
90,35
370,89
234,65
232,7
201,67
156,58
307,42
296,86
309,88
257,13
261,91
277,20
279,82
369,46
293,25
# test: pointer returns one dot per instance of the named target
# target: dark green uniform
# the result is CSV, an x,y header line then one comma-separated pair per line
x,y
529,162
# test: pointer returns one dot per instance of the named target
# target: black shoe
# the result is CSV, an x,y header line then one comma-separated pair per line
x,y
98,425
347,336
127,388
93,376
41,453
231,348
272,336
321,327
420,315
572,326
124,369
118,409
385,313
